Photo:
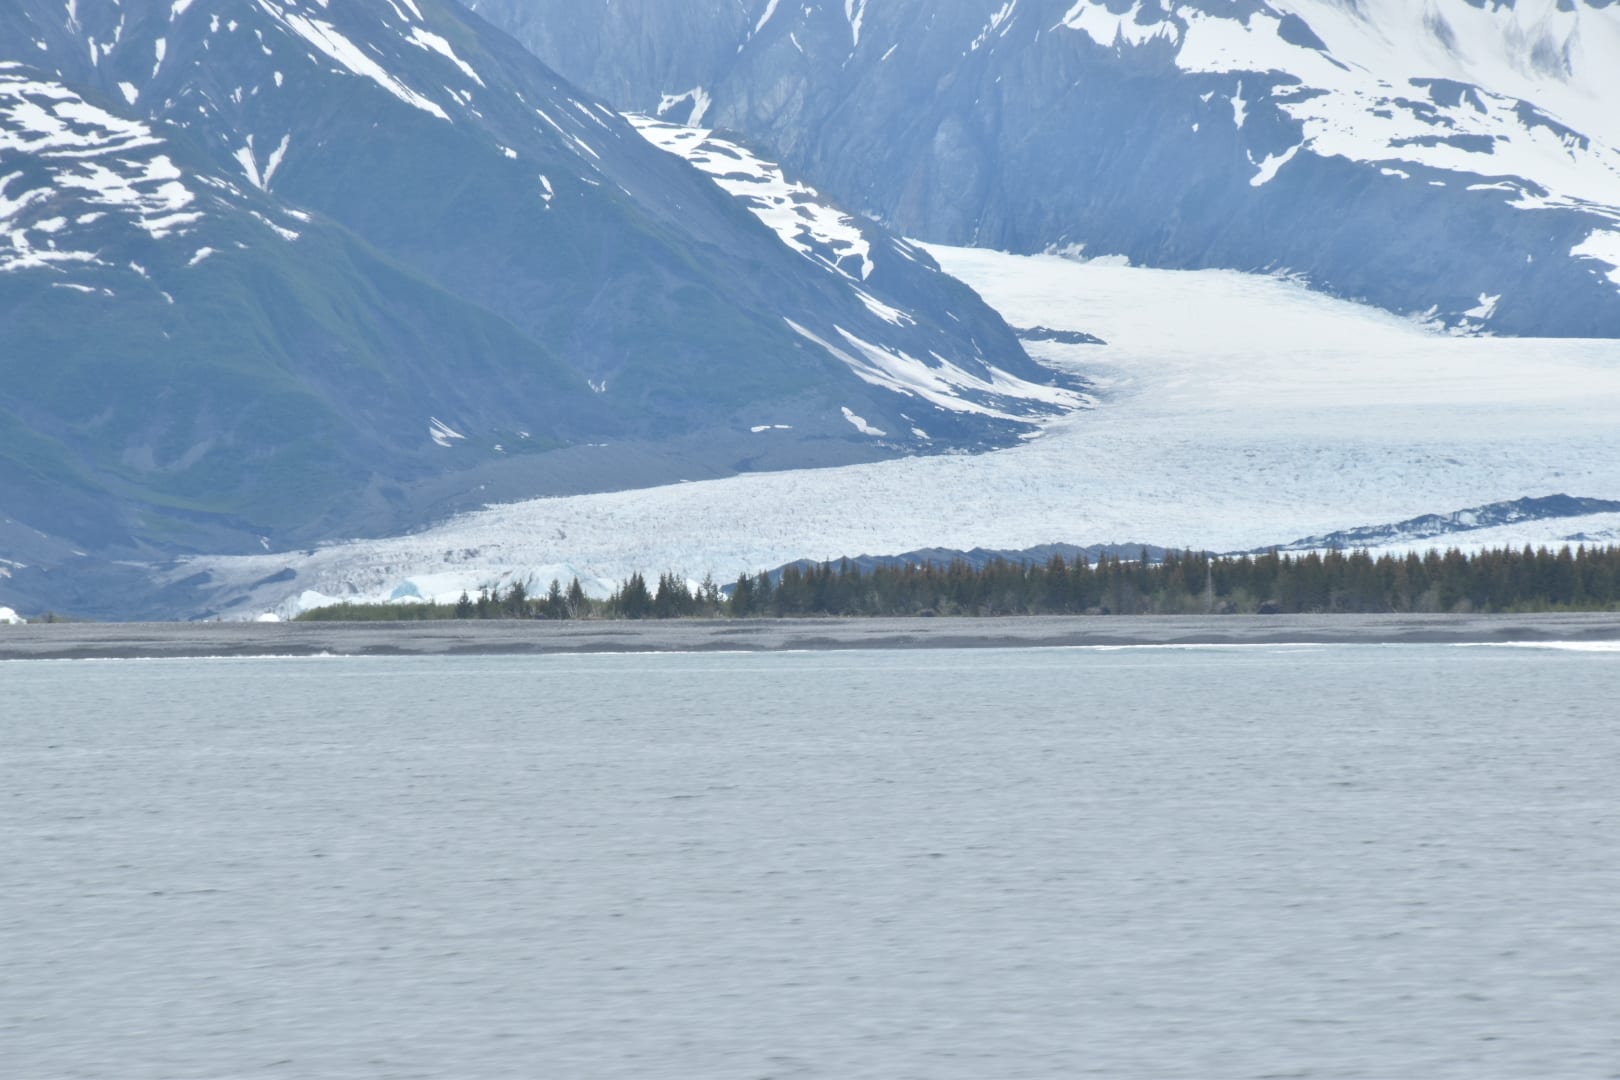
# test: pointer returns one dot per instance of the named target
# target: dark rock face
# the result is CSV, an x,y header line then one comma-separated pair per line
x,y
275,272
1190,135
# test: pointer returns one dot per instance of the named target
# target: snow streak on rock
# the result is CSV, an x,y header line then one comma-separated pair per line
x,y
797,213
855,12
328,40
941,384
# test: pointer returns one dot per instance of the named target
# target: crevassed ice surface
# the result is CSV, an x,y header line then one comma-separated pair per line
x,y
1347,862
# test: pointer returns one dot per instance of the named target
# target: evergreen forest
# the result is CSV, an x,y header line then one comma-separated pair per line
x,y
1185,583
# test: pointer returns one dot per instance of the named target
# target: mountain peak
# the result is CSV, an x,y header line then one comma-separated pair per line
x,y
279,269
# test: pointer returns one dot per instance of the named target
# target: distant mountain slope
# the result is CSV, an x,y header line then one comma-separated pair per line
x,y
273,271
979,558
1456,159
874,264
1457,525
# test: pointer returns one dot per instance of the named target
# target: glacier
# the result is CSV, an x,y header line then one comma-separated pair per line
x,y
1232,412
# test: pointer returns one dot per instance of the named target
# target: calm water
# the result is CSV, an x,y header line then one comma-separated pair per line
x,y
1391,863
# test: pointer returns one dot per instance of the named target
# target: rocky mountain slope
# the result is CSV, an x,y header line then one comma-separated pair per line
x,y
1457,160
274,271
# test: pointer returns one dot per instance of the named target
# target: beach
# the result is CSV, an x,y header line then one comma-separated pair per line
x,y
80,641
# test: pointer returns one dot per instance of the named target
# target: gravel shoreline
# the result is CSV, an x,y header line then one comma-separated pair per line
x,y
78,641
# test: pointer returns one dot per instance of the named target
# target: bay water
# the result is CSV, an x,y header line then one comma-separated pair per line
x,y
1378,862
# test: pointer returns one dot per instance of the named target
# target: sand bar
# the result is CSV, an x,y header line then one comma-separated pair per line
x,y
60,641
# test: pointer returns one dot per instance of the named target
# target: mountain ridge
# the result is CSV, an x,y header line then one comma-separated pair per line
x,y
1454,163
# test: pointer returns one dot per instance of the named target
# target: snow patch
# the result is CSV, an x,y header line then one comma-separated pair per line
x,y
855,12
860,424
422,39
285,233
698,96
1601,246
442,433
569,137
1266,170
892,315
941,383
1000,20
277,156
770,11
326,38
250,167
1117,29
86,154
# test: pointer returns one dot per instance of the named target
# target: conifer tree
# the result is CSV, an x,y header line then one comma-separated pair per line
x,y
708,595
742,597
673,599
764,593
633,600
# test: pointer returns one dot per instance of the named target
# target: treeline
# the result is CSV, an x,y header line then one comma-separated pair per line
x,y
671,598
1503,580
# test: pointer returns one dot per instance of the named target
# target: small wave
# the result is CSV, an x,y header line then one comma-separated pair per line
x,y
1557,646
1212,646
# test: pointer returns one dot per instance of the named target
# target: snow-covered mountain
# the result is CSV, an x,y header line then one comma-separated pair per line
x,y
273,271
1452,159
